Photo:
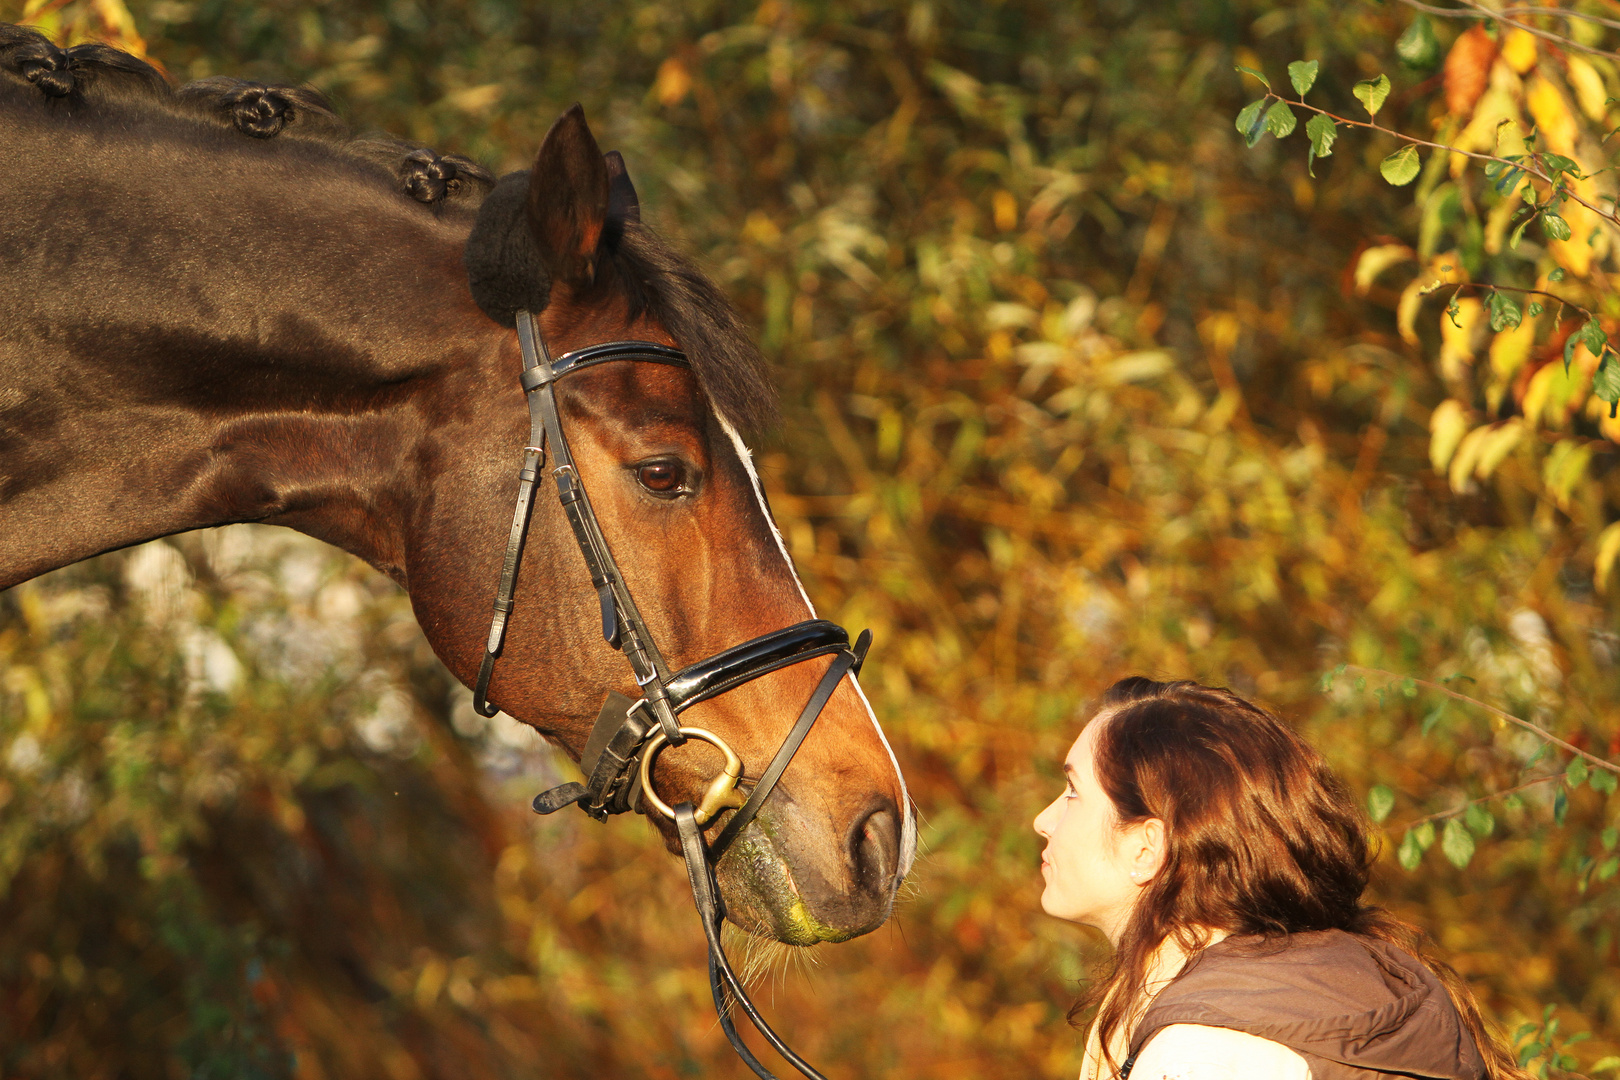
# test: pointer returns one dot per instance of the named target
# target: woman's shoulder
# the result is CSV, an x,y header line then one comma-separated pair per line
x,y
1199,1052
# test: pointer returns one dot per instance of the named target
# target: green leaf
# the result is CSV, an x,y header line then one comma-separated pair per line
x,y
1560,806
1518,233
1557,163
1604,781
1401,167
1505,313
1418,47
1322,132
1380,801
1536,308
1555,227
1504,175
1424,835
1557,274
1302,73
1327,679
1577,773
1248,121
1410,852
1280,120
1512,801
1432,717
1596,339
1609,837
1606,380
1250,71
1372,93
1457,844
1591,335
1606,869
1605,1064
1479,819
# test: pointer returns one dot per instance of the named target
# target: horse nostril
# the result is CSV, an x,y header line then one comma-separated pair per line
x,y
874,851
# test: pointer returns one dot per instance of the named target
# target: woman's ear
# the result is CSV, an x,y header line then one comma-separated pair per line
x,y
1144,850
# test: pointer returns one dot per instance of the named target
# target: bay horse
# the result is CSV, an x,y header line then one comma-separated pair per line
x,y
217,306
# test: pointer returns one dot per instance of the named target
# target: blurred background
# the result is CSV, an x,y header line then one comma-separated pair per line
x,y
1076,385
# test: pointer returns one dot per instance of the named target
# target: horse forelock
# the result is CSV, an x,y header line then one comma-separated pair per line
x,y
93,77
661,284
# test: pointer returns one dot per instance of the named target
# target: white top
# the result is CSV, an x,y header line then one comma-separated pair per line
x,y
1196,1052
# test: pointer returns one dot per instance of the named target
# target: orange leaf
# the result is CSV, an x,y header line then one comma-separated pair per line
x,y
1468,69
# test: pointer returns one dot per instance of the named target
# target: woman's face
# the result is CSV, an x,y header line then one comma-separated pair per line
x,y
1089,861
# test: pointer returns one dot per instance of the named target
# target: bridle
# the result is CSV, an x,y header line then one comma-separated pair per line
x,y
628,735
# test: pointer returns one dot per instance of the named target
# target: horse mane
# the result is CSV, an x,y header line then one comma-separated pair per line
x,y
657,281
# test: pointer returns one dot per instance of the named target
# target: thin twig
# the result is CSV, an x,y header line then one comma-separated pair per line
x,y
1463,809
1539,732
1562,13
1522,165
1461,285
1471,10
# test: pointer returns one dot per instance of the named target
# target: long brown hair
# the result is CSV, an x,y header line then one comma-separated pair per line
x,y
1260,838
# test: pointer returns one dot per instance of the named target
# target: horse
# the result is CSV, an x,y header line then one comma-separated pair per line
x,y
219,306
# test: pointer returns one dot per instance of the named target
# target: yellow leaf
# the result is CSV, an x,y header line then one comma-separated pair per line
x,y
1462,465
1411,302
1565,467
672,83
1456,337
1552,115
1511,348
1588,86
1447,425
1576,253
1608,548
1519,50
1004,208
1375,260
1548,398
1497,445
475,99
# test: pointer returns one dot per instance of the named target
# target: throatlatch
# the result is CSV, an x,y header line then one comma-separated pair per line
x,y
628,735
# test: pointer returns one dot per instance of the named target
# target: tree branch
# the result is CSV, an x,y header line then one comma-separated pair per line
x,y
1609,217
1539,732
1454,811
1473,10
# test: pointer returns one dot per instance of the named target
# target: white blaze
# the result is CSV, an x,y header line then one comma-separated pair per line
x,y
908,825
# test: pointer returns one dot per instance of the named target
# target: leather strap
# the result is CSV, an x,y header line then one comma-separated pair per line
x,y
706,897
841,665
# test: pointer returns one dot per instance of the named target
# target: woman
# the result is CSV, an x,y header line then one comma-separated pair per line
x,y
1226,863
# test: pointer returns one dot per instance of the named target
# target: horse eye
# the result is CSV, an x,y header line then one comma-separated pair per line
x,y
662,477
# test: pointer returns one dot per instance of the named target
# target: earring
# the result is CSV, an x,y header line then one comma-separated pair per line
x,y
1135,875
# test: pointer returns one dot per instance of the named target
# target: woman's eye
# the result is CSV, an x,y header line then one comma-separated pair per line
x,y
662,477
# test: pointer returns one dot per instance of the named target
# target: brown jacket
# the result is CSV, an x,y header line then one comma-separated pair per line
x,y
1352,1007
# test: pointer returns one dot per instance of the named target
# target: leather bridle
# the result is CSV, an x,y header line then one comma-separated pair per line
x,y
628,735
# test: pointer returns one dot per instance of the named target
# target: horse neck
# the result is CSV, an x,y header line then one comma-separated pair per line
x,y
204,329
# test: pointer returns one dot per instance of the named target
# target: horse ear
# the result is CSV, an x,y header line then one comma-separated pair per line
x,y
622,202
568,198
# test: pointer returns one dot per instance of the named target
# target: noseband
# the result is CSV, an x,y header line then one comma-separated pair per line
x,y
628,735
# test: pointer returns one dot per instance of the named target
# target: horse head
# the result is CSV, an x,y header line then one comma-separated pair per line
x,y
660,449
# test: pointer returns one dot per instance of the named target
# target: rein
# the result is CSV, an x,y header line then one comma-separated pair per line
x,y
628,735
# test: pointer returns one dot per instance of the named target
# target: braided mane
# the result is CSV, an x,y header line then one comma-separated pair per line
x,y
91,75
656,280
